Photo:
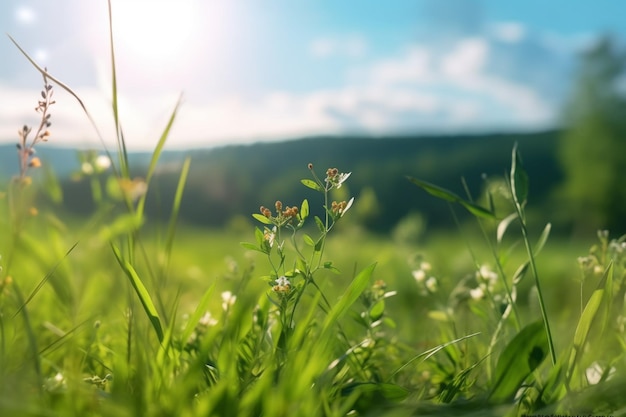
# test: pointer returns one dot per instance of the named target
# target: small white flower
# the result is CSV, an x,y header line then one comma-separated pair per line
x,y
431,284
477,293
283,281
207,320
595,371
485,273
425,266
419,275
228,299
103,162
87,168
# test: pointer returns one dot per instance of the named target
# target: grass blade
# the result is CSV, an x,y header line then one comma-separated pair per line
x,y
520,357
447,195
44,280
156,154
141,291
354,290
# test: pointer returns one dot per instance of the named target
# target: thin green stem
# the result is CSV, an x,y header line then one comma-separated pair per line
x,y
533,266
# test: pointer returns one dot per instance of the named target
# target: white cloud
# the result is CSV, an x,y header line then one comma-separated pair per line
x,y
415,65
467,59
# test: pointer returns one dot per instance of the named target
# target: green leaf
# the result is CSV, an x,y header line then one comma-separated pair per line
x,y
320,224
519,178
377,310
436,190
262,218
446,195
304,210
198,313
308,240
259,236
252,246
543,238
477,210
588,316
141,291
312,184
354,290
156,154
520,357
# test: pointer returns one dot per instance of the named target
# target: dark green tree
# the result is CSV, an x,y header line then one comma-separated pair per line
x,y
593,145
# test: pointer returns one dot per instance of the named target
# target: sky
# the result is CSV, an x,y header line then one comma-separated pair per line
x,y
251,71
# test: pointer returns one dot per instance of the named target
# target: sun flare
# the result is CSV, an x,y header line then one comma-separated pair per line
x,y
157,33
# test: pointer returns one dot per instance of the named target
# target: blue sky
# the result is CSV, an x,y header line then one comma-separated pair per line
x,y
275,69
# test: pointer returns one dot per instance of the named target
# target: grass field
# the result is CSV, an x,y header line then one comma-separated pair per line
x,y
288,314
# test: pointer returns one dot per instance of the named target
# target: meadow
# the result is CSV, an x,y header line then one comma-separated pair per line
x,y
293,312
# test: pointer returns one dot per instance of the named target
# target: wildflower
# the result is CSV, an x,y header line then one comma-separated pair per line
x,y
338,208
431,284
207,320
283,216
34,163
228,300
26,150
282,285
334,178
269,235
133,189
103,163
419,275
87,168
477,293
486,278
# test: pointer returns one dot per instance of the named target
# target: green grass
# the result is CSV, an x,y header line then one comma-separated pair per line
x,y
286,313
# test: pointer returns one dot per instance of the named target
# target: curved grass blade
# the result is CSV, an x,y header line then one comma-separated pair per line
x,y
520,357
447,195
354,290
156,154
141,291
519,178
44,280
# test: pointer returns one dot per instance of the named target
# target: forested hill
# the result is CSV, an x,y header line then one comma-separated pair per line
x,y
236,180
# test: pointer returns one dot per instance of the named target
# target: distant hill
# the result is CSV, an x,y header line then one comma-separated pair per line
x,y
235,180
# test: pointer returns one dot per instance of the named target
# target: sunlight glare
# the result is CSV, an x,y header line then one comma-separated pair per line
x,y
157,33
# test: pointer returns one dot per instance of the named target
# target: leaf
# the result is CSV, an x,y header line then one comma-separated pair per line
x,y
444,194
320,224
262,218
197,314
312,184
504,225
520,357
141,291
252,246
519,178
588,316
377,310
436,190
354,290
156,154
308,240
304,210
543,238
171,228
